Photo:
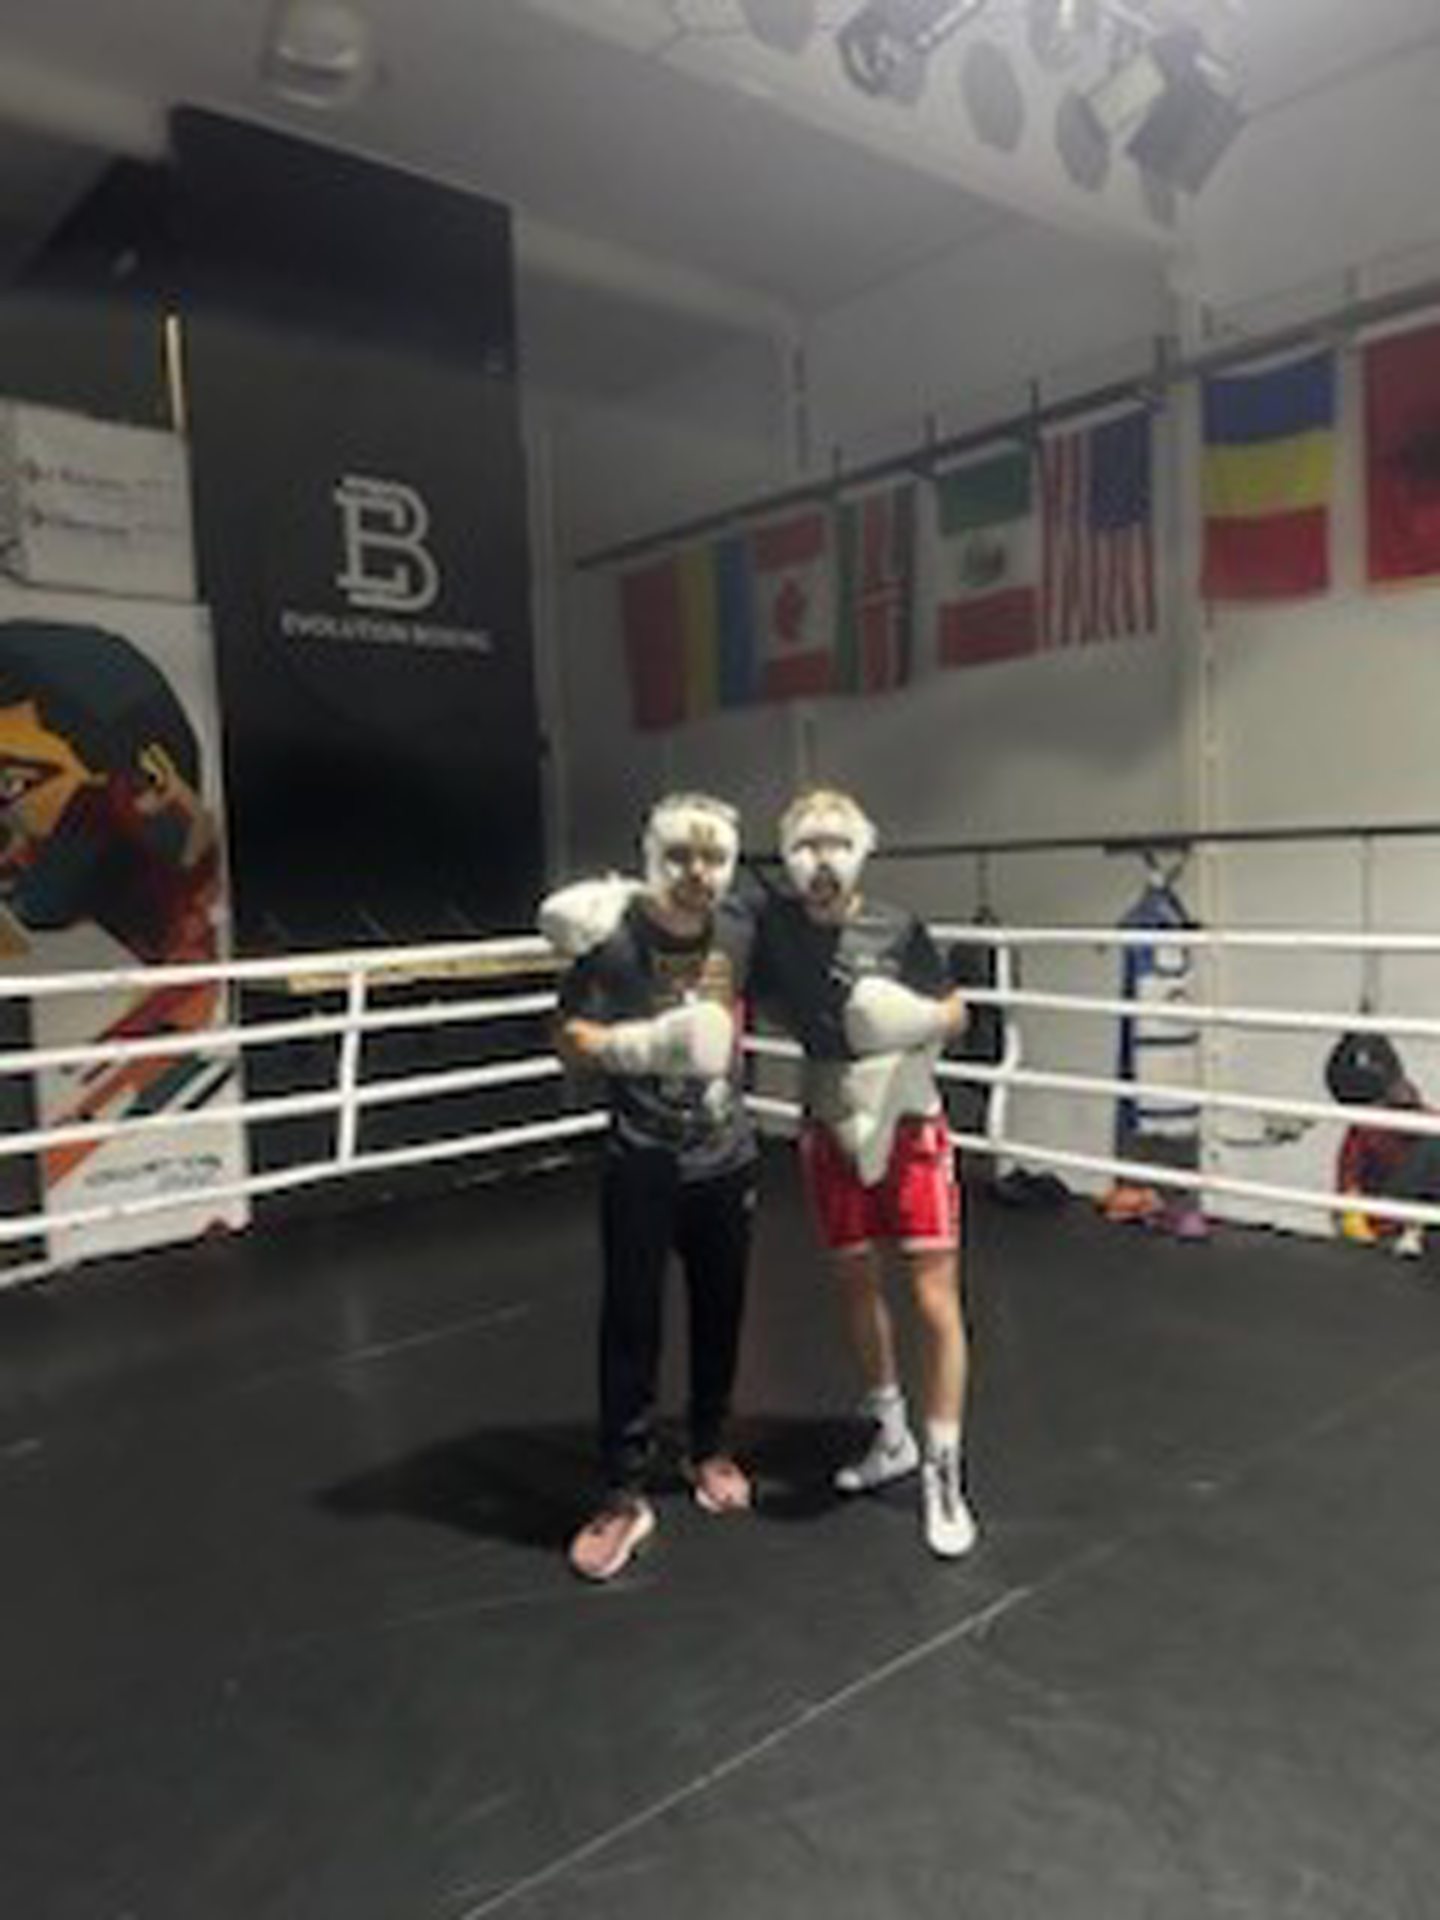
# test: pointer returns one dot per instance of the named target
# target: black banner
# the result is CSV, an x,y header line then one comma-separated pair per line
x,y
361,529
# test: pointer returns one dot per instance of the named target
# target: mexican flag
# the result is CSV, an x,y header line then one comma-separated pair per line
x,y
987,560
792,564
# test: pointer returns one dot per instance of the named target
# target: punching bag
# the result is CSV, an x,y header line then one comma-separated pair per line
x,y
1158,1046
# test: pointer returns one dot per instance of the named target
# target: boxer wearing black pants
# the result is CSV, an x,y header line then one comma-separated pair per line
x,y
647,1212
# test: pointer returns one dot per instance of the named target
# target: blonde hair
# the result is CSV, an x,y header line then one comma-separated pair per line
x,y
825,800
696,803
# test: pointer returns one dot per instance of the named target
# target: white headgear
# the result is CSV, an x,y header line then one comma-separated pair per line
x,y
683,824
825,832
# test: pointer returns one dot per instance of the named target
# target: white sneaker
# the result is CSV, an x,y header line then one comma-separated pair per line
x,y
882,1462
949,1524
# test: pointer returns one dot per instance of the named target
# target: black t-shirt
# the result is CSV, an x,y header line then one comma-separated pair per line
x,y
642,970
803,972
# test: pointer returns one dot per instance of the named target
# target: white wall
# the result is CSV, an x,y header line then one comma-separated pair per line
x,y
962,338
673,450
667,451
1342,180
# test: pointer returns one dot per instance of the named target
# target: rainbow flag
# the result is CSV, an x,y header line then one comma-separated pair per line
x,y
1269,477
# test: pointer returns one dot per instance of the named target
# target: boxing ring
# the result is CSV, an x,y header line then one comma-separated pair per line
x,y
352,982
287,1627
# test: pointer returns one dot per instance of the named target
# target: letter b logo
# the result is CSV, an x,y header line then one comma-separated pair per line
x,y
387,566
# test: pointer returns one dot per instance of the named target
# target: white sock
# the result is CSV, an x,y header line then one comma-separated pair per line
x,y
886,1406
942,1437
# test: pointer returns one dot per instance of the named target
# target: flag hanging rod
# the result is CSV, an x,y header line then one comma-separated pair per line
x,y
1178,840
1166,370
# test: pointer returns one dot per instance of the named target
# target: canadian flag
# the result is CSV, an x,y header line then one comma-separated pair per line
x,y
793,563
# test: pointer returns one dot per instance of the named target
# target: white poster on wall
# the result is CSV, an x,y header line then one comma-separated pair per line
x,y
112,855
85,503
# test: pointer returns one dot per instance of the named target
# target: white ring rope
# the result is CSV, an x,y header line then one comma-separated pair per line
x,y
1263,940
357,974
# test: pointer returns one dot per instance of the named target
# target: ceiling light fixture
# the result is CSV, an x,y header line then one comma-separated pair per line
x,y
1197,118
1176,101
1061,32
786,25
319,53
886,46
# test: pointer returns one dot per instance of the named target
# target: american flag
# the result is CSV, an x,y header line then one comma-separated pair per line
x,y
1099,535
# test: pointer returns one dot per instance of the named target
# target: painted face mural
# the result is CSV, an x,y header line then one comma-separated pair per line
x,y
101,817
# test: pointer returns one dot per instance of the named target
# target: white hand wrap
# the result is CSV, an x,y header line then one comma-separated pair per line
x,y
695,1042
882,1016
578,918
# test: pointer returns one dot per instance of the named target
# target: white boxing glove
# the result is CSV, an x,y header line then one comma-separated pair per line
x,y
882,1016
693,1042
578,918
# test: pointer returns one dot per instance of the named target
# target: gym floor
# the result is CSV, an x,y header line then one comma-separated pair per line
x,y
287,1632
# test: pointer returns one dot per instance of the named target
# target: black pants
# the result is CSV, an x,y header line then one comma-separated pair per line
x,y
646,1213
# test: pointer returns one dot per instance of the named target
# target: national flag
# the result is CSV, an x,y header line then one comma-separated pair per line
x,y
652,626
1402,455
877,590
1098,560
792,561
986,560
1269,478
689,628
735,620
699,630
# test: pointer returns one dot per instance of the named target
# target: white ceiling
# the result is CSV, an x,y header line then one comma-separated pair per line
x,y
584,128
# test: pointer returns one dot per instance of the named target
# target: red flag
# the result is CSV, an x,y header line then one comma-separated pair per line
x,y
1402,455
652,622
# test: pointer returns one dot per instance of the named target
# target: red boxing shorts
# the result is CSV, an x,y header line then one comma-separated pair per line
x,y
916,1206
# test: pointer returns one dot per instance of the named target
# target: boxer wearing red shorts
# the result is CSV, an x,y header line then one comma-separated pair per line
x,y
915,1207
862,987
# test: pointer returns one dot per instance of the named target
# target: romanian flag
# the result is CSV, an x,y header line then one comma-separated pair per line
x,y
877,590
987,560
1402,455
1269,478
